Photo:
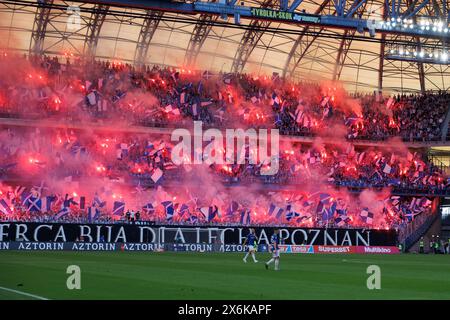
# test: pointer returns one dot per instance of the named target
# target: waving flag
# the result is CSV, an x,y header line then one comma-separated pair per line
x,y
118,208
232,208
173,110
169,209
149,208
192,219
97,202
209,212
175,76
122,150
69,201
325,198
425,202
245,217
18,191
93,213
157,174
36,191
410,214
34,204
360,157
206,75
184,208
4,207
390,102
366,216
326,206
275,211
387,169
299,114
394,203
275,76
24,197
275,100
63,212
46,203
328,211
291,215
79,201
325,101
205,211
342,220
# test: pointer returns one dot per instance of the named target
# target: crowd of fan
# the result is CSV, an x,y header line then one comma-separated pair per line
x,y
412,117
106,91
160,96
67,155
275,209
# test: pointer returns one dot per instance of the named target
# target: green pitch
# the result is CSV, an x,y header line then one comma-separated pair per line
x,y
126,275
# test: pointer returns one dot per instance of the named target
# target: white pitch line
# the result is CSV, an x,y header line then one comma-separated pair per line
x,y
23,293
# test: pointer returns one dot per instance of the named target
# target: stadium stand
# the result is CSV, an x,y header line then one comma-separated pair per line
x,y
86,138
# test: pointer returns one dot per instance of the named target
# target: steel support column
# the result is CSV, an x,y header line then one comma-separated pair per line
x,y
382,48
250,39
342,54
198,37
346,42
420,70
301,46
381,63
146,33
41,20
93,29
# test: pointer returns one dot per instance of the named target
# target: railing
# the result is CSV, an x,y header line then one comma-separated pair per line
x,y
445,125
416,229
158,123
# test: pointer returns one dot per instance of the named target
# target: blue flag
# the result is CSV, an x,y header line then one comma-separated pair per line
x,y
97,202
342,221
63,212
118,208
184,208
274,210
149,207
232,208
4,207
46,203
93,214
209,212
193,219
366,216
291,215
329,211
245,217
169,209
34,204
24,197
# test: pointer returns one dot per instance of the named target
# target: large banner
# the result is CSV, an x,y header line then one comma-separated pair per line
x,y
137,233
339,249
189,247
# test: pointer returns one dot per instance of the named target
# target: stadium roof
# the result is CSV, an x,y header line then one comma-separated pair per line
x,y
313,51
